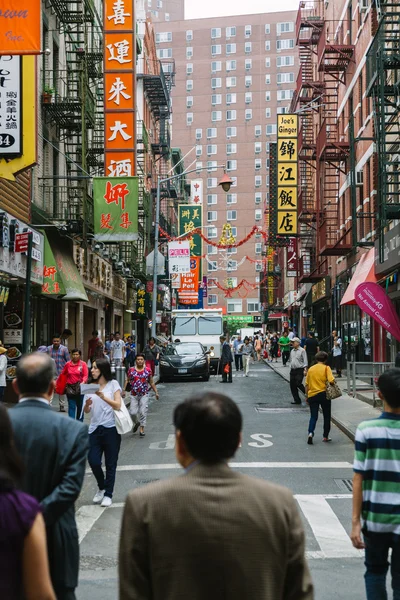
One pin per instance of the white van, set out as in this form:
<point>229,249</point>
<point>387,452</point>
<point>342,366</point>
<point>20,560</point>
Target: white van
<point>200,325</point>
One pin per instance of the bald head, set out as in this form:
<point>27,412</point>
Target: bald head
<point>35,376</point>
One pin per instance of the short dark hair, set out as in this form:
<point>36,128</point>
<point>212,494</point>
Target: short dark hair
<point>218,416</point>
<point>311,333</point>
<point>94,332</point>
<point>74,350</point>
<point>321,356</point>
<point>56,335</point>
<point>67,332</point>
<point>389,386</point>
<point>11,465</point>
<point>35,372</point>
<point>140,355</point>
<point>116,333</point>
<point>103,365</point>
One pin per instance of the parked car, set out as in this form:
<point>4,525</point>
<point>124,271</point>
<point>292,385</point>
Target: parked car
<point>186,359</point>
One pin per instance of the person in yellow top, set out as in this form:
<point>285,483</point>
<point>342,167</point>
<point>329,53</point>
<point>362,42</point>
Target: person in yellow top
<point>316,379</point>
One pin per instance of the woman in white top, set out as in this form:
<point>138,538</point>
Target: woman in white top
<point>3,369</point>
<point>103,435</point>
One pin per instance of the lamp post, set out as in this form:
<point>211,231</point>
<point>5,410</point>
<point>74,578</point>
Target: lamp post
<point>225,183</point>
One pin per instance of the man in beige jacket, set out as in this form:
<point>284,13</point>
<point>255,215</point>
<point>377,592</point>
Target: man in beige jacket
<point>212,532</point>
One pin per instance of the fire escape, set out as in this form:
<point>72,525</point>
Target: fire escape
<point>383,85</point>
<point>72,101</point>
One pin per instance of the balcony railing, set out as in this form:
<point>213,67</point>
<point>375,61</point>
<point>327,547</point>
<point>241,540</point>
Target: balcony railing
<point>309,22</point>
<point>332,57</point>
<point>62,99</point>
<point>333,242</point>
<point>62,203</point>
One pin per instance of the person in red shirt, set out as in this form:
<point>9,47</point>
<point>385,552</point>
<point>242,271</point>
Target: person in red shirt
<point>76,371</point>
<point>92,344</point>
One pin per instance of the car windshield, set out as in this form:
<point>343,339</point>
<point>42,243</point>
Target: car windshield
<point>184,326</point>
<point>210,325</point>
<point>184,350</point>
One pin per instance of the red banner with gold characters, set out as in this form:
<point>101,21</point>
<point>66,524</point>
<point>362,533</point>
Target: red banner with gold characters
<point>119,88</point>
<point>20,22</point>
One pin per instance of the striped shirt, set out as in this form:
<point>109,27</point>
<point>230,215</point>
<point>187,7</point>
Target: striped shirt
<point>60,357</point>
<point>377,459</point>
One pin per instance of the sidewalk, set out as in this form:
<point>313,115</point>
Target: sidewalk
<point>347,412</point>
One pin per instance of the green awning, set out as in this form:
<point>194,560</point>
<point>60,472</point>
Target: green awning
<point>60,274</point>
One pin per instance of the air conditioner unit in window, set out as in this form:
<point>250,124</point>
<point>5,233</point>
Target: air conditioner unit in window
<point>363,5</point>
<point>359,178</point>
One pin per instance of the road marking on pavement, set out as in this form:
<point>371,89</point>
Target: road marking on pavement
<point>86,516</point>
<point>330,534</point>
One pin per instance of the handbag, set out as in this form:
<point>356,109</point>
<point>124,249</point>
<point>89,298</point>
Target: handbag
<point>332,389</point>
<point>74,389</point>
<point>61,384</point>
<point>227,368</point>
<point>123,421</point>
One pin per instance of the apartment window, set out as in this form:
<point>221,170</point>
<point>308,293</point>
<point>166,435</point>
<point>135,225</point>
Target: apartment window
<point>212,282</point>
<point>270,129</point>
<point>212,182</point>
<point>267,78</point>
<point>285,78</point>
<point>164,36</point>
<point>257,164</point>
<point>234,231</point>
<point>164,53</point>
<point>216,99</point>
<point>211,132</point>
<point>231,48</point>
<point>231,98</point>
<point>257,130</point>
<point>216,82</point>
<point>199,150</point>
<point>212,265</point>
<point>284,44</point>
<point>211,249</point>
<point>189,35</point>
<point>231,132</point>
<point>267,63</point>
<point>258,247</point>
<point>189,85</point>
<point>211,165</point>
<point>231,215</point>
<point>284,94</point>
<point>216,49</point>
<point>189,68</point>
<point>257,181</point>
<point>247,47</point>
<point>211,149</point>
<point>211,199</point>
<point>231,198</point>
<point>248,114</point>
<point>215,33</point>
<point>231,65</point>
<point>199,134</point>
<point>216,115</point>
<point>267,46</point>
<point>281,110</point>
<point>253,305</point>
<point>231,115</point>
<point>167,16</point>
<point>232,265</point>
<point>234,184</point>
<point>159,3</point>
<point>230,82</point>
<point>212,215</point>
<point>258,214</point>
<point>212,299</point>
<point>230,32</point>
<point>189,52</point>
<point>248,80</point>
<point>285,61</point>
<point>257,147</point>
<point>189,118</point>
<point>216,66</point>
<point>248,97</point>
<point>267,163</point>
<point>258,197</point>
<point>287,27</point>
<point>231,148</point>
<point>212,232</point>
<point>267,147</point>
<point>247,30</point>
<point>268,96</point>
<point>199,166</point>
<point>189,101</point>
<point>267,113</point>
<point>231,165</point>
<point>234,306</point>
<point>267,29</point>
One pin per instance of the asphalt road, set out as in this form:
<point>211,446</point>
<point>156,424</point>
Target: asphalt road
<point>274,447</point>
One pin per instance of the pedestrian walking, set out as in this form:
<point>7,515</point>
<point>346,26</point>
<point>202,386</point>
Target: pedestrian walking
<point>107,344</point>
<point>99,351</point>
<point>60,355</point>
<point>117,350</point>
<point>337,355</point>
<point>53,450</point>
<point>130,351</point>
<point>92,345</point>
<point>274,348</point>
<point>298,369</point>
<point>24,566</point>
<point>291,334</point>
<point>376,490</point>
<point>311,346</point>
<point>284,345</point>
<point>66,334</point>
<point>258,347</point>
<point>3,369</point>
<point>247,353</point>
<point>76,372</point>
<point>141,380</point>
<point>103,435</point>
<point>226,360</point>
<point>151,354</point>
<point>237,353</point>
<point>212,532</point>
<point>317,377</point>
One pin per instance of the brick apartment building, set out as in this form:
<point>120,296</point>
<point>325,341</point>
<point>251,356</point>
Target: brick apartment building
<point>233,75</point>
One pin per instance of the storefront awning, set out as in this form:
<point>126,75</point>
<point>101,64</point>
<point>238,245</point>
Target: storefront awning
<point>365,271</point>
<point>60,275</point>
<point>274,316</point>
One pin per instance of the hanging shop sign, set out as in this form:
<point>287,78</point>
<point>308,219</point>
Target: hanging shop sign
<point>179,257</point>
<point>10,106</point>
<point>190,217</point>
<point>175,281</point>
<point>374,301</point>
<point>115,209</point>
<point>292,258</point>
<point>287,175</point>
<point>189,291</point>
<point>321,290</point>
<point>196,191</point>
<point>143,303</point>
<point>14,263</point>
<point>20,27</point>
<point>119,87</point>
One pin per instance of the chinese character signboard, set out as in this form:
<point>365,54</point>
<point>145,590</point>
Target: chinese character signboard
<point>10,106</point>
<point>143,301</point>
<point>179,257</point>
<point>287,178</point>
<point>189,291</point>
<point>190,217</point>
<point>119,87</point>
<point>196,191</point>
<point>52,281</point>
<point>292,258</point>
<point>115,209</point>
<point>20,22</point>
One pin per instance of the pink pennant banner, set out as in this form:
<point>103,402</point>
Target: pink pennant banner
<point>374,301</point>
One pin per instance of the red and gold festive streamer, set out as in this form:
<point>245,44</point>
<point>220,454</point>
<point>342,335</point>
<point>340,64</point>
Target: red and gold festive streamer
<point>243,283</point>
<point>197,231</point>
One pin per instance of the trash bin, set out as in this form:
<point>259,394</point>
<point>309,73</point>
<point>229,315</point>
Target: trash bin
<point>120,374</point>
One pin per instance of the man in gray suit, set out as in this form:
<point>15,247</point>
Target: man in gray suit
<point>212,532</point>
<point>54,449</point>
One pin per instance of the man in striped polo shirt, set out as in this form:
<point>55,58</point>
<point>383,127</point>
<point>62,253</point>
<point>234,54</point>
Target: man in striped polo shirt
<point>376,490</point>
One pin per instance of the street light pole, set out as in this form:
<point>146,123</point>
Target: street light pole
<point>225,182</point>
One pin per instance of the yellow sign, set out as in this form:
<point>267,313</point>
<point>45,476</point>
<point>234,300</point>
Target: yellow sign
<point>287,126</point>
<point>10,168</point>
<point>287,173</point>
<point>287,198</point>
<point>287,150</point>
<point>287,222</point>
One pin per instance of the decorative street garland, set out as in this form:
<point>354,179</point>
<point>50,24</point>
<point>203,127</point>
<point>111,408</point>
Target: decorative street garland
<point>198,231</point>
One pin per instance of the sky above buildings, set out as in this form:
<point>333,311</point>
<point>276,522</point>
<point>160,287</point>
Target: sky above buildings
<point>199,9</point>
